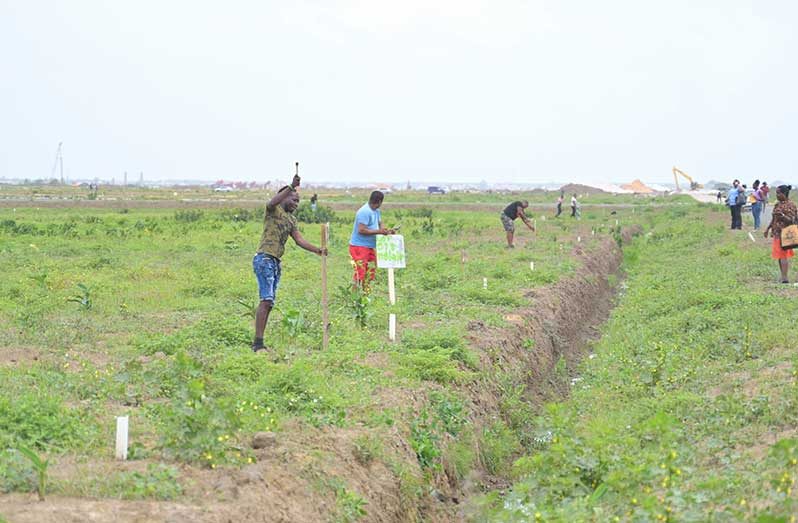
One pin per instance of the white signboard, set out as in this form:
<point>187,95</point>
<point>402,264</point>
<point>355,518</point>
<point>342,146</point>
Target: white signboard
<point>391,251</point>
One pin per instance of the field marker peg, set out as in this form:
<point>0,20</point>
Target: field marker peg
<point>392,327</point>
<point>121,438</point>
<point>543,217</point>
<point>592,232</point>
<point>578,239</point>
<point>484,283</point>
<point>751,236</point>
<point>616,222</point>
<point>531,266</point>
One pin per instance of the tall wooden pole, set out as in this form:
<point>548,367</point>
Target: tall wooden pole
<point>325,340</point>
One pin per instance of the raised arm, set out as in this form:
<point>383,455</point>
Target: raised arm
<point>283,193</point>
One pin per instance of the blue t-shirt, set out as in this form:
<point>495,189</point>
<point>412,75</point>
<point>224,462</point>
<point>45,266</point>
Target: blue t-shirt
<point>371,219</point>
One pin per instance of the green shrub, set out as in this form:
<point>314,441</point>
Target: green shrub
<point>38,421</point>
<point>498,445</point>
<point>16,472</point>
<point>305,214</point>
<point>197,428</point>
<point>158,482</point>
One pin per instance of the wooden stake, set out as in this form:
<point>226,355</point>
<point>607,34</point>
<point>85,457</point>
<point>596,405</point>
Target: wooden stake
<point>121,438</point>
<point>325,323</point>
<point>391,286</point>
<point>392,327</point>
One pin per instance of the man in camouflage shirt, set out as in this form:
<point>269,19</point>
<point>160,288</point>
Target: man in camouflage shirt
<point>279,222</point>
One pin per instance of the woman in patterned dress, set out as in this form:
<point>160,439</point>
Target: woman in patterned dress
<point>784,213</point>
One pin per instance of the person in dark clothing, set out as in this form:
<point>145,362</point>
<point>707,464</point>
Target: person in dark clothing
<point>735,200</point>
<point>509,214</point>
<point>559,205</point>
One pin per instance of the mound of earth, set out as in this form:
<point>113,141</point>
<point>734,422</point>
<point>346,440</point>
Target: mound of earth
<point>578,188</point>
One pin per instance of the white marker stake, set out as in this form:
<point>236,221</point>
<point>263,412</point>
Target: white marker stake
<point>578,239</point>
<point>592,232</point>
<point>752,237</point>
<point>391,287</point>
<point>531,266</point>
<point>484,283</point>
<point>616,223</point>
<point>121,438</point>
<point>392,327</point>
<point>543,217</point>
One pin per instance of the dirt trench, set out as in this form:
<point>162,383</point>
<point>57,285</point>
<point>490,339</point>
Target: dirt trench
<point>295,479</point>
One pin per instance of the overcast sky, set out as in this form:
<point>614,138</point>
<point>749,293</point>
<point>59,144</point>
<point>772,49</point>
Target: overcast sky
<point>423,90</point>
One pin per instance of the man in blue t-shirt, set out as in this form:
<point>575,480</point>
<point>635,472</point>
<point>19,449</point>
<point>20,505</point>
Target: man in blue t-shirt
<point>363,243</point>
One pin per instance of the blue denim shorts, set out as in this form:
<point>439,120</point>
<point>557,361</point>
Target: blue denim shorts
<point>267,270</point>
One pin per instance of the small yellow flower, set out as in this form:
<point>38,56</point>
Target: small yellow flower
<point>742,503</point>
<point>249,460</point>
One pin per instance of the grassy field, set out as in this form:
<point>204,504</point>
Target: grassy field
<point>686,412</point>
<point>689,410</point>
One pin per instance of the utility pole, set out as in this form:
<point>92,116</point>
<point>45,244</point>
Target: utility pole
<point>125,180</point>
<point>59,162</point>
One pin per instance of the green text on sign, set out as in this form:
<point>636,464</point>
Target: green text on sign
<point>391,252</point>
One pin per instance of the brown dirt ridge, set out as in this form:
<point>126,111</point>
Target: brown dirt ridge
<point>293,478</point>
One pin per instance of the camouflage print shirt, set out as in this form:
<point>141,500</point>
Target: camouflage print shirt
<point>277,226</point>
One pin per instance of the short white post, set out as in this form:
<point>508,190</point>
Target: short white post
<point>752,237</point>
<point>391,287</point>
<point>392,327</point>
<point>531,266</point>
<point>543,217</point>
<point>616,222</point>
<point>592,232</point>
<point>484,283</point>
<point>121,437</point>
<point>578,239</point>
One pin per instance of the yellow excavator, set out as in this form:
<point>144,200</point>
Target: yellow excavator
<point>693,185</point>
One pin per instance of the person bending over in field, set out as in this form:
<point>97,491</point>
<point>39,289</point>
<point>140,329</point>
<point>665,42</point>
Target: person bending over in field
<point>784,213</point>
<point>363,242</point>
<point>508,216</point>
<point>278,223</point>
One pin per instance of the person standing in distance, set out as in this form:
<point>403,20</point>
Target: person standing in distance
<point>279,223</point>
<point>559,205</point>
<point>785,213</point>
<point>508,216</point>
<point>363,242</point>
